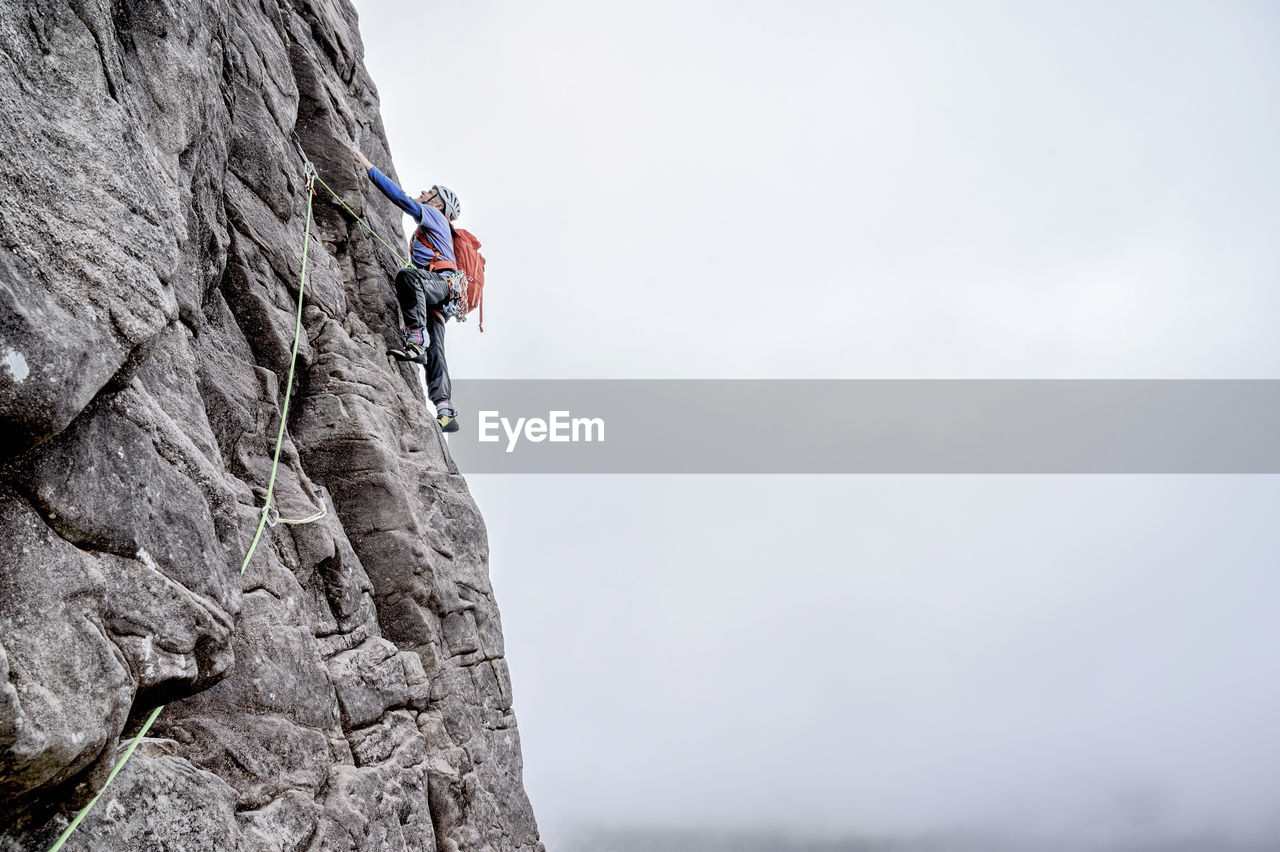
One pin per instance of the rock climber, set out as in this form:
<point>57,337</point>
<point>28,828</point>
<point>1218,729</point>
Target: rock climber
<point>426,289</point>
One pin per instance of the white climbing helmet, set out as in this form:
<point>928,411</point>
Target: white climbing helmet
<point>452,206</point>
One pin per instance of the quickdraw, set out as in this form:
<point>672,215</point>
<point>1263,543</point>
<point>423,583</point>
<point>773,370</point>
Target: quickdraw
<point>456,306</point>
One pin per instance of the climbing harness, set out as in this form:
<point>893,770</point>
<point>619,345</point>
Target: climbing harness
<point>457,281</point>
<point>270,514</point>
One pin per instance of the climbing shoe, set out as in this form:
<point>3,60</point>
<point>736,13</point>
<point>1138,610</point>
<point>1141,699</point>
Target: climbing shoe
<point>412,350</point>
<point>448,420</point>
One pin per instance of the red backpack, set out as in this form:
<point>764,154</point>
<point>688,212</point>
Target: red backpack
<point>466,249</point>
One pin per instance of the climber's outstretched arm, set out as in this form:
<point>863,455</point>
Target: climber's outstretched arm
<point>389,187</point>
<point>364,161</point>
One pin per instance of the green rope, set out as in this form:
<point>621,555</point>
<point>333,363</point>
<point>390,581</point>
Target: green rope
<point>288,388</point>
<point>362,222</point>
<point>266,510</point>
<point>62,838</point>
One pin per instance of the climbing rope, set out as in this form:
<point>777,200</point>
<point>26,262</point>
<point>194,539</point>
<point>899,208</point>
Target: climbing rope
<point>288,388</point>
<point>363,223</point>
<point>270,515</point>
<point>62,838</point>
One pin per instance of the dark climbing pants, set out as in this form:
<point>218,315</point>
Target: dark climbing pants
<point>422,297</point>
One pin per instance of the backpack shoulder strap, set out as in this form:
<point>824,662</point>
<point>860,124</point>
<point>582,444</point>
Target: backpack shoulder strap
<point>438,261</point>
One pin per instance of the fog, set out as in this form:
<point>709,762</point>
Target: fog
<point>1071,658</point>
<point>870,190</point>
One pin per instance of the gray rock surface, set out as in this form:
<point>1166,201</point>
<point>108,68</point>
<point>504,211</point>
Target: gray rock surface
<point>349,691</point>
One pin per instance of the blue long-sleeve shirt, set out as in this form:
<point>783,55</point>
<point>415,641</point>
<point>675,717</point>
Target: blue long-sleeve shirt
<point>430,220</point>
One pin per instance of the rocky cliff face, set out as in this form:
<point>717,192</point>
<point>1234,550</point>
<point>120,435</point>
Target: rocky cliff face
<point>349,691</point>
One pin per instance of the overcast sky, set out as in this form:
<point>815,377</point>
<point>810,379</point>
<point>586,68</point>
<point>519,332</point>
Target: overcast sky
<point>870,190</point>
